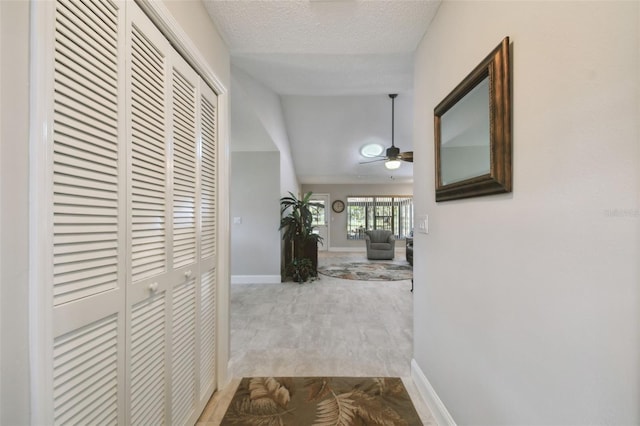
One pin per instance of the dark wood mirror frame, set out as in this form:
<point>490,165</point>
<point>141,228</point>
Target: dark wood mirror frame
<point>496,67</point>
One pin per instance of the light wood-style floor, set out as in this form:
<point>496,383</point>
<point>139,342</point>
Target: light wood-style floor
<point>329,327</point>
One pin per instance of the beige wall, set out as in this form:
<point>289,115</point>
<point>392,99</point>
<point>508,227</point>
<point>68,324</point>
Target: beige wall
<point>527,304</point>
<point>195,22</point>
<point>338,221</point>
<point>14,204</point>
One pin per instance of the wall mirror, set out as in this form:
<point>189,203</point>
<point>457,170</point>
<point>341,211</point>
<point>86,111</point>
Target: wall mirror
<point>473,132</point>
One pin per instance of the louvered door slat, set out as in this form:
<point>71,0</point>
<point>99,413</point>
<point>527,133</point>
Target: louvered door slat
<point>83,148</point>
<point>91,26</point>
<point>101,136</point>
<point>78,357</point>
<point>71,291</point>
<point>147,95</point>
<point>80,100</point>
<point>184,120</point>
<point>207,330</point>
<point>146,148</point>
<point>86,263</point>
<point>183,352</point>
<point>94,253</point>
<point>75,69</point>
<point>81,248</point>
<point>208,179</point>
<point>78,68</point>
<point>80,62</point>
<point>147,361</point>
<point>148,155</point>
<point>148,52</point>
<point>87,171</point>
<point>146,132</point>
<point>86,142</point>
<point>85,117</point>
<point>73,188</point>
<point>102,28</point>
<point>77,191</point>
<point>151,186</point>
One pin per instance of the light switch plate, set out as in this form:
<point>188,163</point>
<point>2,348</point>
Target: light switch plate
<point>237,220</point>
<point>422,224</point>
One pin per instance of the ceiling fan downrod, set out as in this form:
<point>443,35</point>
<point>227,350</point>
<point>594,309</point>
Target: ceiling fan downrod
<point>393,102</point>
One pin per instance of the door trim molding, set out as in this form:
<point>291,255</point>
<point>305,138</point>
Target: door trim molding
<point>40,222</point>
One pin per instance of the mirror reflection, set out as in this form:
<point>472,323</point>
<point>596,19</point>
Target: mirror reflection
<point>465,140</point>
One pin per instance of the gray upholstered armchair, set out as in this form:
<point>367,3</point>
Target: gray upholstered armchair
<point>380,244</point>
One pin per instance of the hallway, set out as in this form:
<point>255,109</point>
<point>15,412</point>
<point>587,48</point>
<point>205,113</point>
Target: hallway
<point>330,327</point>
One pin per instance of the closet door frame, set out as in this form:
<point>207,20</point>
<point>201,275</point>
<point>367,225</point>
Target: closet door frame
<point>40,197</point>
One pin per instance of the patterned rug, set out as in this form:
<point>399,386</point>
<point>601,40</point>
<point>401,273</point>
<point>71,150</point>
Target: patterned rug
<point>300,401</point>
<point>368,271</point>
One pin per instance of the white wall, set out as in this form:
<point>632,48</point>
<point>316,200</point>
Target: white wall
<point>194,20</point>
<point>526,305</point>
<point>338,221</point>
<point>350,122</point>
<point>266,105</point>
<point>14,204</point>
<point>255,193</point>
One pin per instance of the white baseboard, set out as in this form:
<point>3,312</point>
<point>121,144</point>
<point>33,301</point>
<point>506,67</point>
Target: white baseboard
<point>256,279</point>
<point>430,397</point>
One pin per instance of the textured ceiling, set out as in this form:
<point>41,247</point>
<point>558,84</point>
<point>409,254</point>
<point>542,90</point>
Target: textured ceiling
<point>348,50</point>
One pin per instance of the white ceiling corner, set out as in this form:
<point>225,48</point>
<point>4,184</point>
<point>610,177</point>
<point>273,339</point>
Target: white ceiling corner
<point>352,51</point>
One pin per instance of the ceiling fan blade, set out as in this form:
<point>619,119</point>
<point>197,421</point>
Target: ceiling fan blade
<point>406,156</point>
<point>374,161</point>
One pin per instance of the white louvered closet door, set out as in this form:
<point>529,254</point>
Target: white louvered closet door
<point>149,230</point>
<point>207,252</point>
<point>184,291</point>
<point>88,209</point>
<point>133,222</point>
<point>164,298</point>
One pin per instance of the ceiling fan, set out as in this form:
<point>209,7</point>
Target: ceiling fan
<point>393,155</point>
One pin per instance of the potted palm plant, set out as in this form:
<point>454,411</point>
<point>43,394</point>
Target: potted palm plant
<point>300,242</point>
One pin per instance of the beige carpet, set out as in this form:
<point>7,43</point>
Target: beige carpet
<point>300,401</point>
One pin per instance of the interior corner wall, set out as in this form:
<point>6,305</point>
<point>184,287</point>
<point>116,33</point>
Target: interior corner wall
<point>255,194</point>
<point>338,221</point>
<point>526,305</point>
<point>194,20</point>
<point>14,203</point>
<point>267,106</point>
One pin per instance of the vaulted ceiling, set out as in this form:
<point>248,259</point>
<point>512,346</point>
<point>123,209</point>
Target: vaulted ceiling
<point>333,64</point>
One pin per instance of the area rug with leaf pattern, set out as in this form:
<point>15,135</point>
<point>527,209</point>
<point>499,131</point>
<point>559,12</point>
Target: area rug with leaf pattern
<point>319,401</point>
<point>368,271</point>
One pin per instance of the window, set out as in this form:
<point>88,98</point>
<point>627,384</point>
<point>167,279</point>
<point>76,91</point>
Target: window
<point>379,212</point>
<point>318,213</point>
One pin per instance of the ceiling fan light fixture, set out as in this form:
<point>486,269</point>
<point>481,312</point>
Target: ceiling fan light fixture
<point>371,150</point>
<point>392,164</point>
